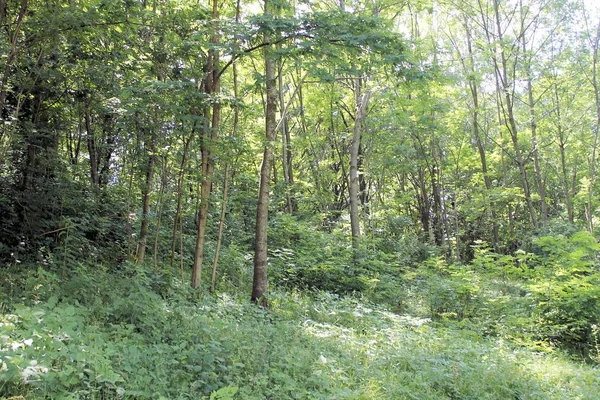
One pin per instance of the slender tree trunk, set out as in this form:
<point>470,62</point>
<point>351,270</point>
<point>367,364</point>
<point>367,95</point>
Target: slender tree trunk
<point>131,241</point>
<point>423,203</point>
<point>339,189</point>
<point>212,88</point>
<point>260,279</point>
<point>178,222</point>
<point>74,143</point>
<point>509,117</point>
<point>539,180</point>
<point>213,276</point>
<point>205,189</point>
<point>541,188</point>
<point>503,164</point>
<point>314,165</point>
<point>286,144</point>
<point>236,119</point>
<point>361,101</point>
<point>445,233</point>
<point>91,144</point>
<point>564,175</point>
<point>458,256</point>
<point>147,190</point>
<point>478,140</point>
<point>436,192</point>
<point>107,149</point>
<point>163,185</point>
<point>562,144</point>
<point>484,168</point>
<point>181,266</point>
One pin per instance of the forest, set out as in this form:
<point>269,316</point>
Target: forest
<point>306,199</point>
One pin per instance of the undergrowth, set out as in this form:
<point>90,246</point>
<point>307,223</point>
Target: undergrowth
<point>133,333</point>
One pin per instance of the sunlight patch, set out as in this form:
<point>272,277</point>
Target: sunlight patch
<point>322,330</point>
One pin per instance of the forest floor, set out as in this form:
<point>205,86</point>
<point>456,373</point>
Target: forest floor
<point>100,335</point>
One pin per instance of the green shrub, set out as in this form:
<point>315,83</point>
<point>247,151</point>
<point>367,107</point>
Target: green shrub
<point>450,291</point>
<point>567,290</point>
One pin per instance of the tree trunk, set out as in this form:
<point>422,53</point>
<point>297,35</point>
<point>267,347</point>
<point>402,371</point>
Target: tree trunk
<point>205,189</point>
<point>74,140</point>
<point>212,88</point>
<point>163,185</point>
<point>541,188</point>
<point>178,222</point>
<point>260,279</point>
<point>562,144</point>
<point>361,101</point>
<point>436,193</point>
<point>146,191</point>
<point>509,117</point>
<point>286,149</point>
<point>131,244</point>
<point>213,275</point>
<point>236,120</point>
<point>478,141</point>
<point>91,144</point>
<point>108,148</point>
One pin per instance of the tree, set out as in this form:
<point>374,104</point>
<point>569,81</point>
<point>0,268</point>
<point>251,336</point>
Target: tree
<point>361,102</point>
<point>260,280</point>
<point>210,133</point>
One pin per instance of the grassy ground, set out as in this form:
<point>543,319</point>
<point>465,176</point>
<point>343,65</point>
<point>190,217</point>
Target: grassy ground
<point>137,335</point>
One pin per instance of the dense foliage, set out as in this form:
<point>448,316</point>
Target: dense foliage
<point>133,335</point>
<point>408,189</point>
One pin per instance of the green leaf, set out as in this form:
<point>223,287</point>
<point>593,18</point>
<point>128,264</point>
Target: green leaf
<point>225,393</point>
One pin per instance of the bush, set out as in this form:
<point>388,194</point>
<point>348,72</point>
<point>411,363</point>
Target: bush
<point>310,259</point>
<point>450,291</point>
<point>567,290</point>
